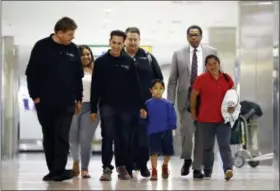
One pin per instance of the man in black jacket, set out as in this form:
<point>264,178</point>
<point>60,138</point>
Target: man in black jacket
<point>148,69</point>
<point>116,87</point>
<point>54,79</point>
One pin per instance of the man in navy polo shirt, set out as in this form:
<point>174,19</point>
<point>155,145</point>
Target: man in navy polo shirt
<point>207,95</point>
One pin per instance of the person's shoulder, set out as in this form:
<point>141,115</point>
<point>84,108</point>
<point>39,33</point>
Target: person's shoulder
<point>227,76</point>
<point>100,58</point>
<point>166,101</point>
<point>203,75</point>
<point>125,56</point>
<point>181,49</point>
<point>73,45</point>
<point>144,52</point>
<point>149,100</point>
<point>43,41</point>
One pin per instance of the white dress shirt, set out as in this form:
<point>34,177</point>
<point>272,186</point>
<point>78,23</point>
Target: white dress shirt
<point>200,64</point>
<point>86,86</point>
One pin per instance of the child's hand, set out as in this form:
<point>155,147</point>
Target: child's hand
<point>143,113</point>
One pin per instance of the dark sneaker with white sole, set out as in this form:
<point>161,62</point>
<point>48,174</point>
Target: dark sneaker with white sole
<point>106,176</point>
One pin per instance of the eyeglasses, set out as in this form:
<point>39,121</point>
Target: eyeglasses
<point>194,35</point>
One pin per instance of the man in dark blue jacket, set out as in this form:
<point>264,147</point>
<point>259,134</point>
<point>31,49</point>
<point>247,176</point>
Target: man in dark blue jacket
<point>148,69</point>
<point>115,85</point>
<point>54,80</point>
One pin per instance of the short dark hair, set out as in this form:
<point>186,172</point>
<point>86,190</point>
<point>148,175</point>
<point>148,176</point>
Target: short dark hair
<point>155,81</point>
<point>132,30</point>
<point>81,49</point>
<point>195,27</point>
<point>65,24</point>
<point>210,57</point>
<point>118,33</point>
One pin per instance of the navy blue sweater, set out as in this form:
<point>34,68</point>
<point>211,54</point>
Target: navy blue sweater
<point>115,82</point>
<point>54,73</point>
<point>161,115</point>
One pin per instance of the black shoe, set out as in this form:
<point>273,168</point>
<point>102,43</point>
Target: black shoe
<point>207,175</point>
<point>48,177</point>
<point>66,175</point>
<point>185,170</point>
<point>197,174</point>
<point>145,172</point>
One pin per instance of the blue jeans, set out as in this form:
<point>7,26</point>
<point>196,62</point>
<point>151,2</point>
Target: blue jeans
<point>81,135</point>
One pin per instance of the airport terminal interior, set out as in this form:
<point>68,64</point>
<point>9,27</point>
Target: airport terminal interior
<point>245,34</point>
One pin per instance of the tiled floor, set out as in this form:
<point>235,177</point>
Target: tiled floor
<point>26,173</point>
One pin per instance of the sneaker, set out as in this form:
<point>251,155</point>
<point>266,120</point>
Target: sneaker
<point>123,174</point>
<point>228,174</point>
<point>145,172</point>
<point>165,172</point>
<point>106,176</point>
<point>154,174</point>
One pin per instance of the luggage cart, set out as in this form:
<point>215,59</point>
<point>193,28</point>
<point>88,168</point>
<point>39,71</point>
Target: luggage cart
<point>248,150</point>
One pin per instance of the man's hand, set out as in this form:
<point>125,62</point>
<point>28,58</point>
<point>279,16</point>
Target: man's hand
<point>78,107</point>
<point>93,116</point>
<point>143,113</point>
<point>231,109</point>
<point>37,100</point>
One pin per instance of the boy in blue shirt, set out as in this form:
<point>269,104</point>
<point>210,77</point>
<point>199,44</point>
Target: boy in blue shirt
<point>161,121</point>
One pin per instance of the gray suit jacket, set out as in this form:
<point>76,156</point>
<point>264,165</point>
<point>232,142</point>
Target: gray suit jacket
<point>180,74</point>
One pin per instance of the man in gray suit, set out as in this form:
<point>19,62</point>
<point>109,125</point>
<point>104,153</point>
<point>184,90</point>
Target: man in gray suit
<point>187,64</point>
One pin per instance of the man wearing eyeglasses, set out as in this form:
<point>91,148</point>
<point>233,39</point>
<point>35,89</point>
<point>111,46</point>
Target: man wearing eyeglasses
<point>187,64</point>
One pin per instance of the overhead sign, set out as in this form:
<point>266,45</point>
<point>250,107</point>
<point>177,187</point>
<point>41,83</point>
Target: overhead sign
<point>147,48</point>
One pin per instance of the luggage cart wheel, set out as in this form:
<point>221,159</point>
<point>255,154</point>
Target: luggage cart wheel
<point>254,164</point>
<point>238,161</point>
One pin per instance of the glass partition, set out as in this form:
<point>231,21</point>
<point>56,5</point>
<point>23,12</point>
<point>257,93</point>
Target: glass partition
<point>9,94</point>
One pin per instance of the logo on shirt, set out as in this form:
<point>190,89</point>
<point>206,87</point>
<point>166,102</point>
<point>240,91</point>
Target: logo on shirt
<point>125,67</point>
<point>142,58</point>
<point>70,54</point>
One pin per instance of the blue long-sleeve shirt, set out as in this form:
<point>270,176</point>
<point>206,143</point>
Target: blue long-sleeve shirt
<point>161,115</point>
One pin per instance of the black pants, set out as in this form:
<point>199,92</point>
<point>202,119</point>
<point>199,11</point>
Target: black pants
<point>55,124</point>
<point>116,128</point>
<point>140,143</point>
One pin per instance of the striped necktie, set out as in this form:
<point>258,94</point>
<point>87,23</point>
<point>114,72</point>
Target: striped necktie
<point>194,66</point>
